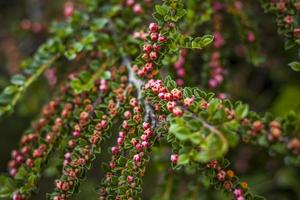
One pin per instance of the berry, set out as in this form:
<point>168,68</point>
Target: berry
<point>177,111</point>
<point>171,105</point>
<point>114,150</point>
<point>153,27</point>
<point>137,158</point>
<point>147,48</point>
<point>153,55</point>
<point>174,158</point>
<point>76,134</point>
<point>129,179</point>
<point>146,125</point>
<point>162,39</point>
<point>17,196</point>
<point>154,37</point>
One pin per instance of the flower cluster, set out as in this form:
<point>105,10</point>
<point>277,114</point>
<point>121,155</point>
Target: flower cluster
<point>228,180</point>
<point>151,51</point>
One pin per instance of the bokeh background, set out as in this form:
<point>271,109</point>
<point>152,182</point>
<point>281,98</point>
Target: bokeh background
<point>272,86</point>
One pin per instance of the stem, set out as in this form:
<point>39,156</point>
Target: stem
<point>138,83</point>
<point>29,81</point>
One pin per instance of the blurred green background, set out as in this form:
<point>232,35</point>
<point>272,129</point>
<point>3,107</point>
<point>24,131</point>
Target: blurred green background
<point>272,86</point>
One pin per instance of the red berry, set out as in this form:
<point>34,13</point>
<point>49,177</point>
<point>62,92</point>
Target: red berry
<point>171,105</point>
<point>17,196</point>
<point>154,37</point>
<point>153,27</point>
<point>176,94</point>
<point>146,125</point>
<point>138,147</point>
<point>156,47</point>
<point>148,132</point>
<point>137,158</point>
<point>37,153</point>
<point>147,48</point>
<point>153,55</point>
<point>149,66</point>
<point>115,150</point>
<point>144,137</point>
<point>177,111</point>
<point>133,102</point>
<point>162,38</point>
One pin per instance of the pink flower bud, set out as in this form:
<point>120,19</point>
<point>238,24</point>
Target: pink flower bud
<point>174,158</point>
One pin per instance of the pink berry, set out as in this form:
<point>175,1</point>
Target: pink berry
<point>138,147</point>
<point>112,164</point>
<point>122,134</point>
<point>146,125</point>
<point>174,158</point>
<point>120,141</point>
<point>147,48</point>
<point>127,114</point>
<point>76,134</point>
<point>137,158</point>
<point>153,55</point>
<point>171,105</point>
<point>177,111</point>
<point>13,172</point>
<point>17,196</point>
<point>137,9</point>
<point>115,150</point>
<point>162,38</point>
<point>153,27</point>
<point>68,9</point>
<point>154,37</point>
<point>103,124</point>
<point>156,47</point>
<point>144,137</point>
<point>145,144</point>
<point>129,179</point>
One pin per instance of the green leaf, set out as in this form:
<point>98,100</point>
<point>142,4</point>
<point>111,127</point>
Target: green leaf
<point>241,111</point>
<point>7,186</point>
<point>22,173</point>
<point>206,40</point>
<point>180,132</point>
<point>161,9</point>
<point>295,66</point>
<point>9,90</point>
<point>211,148</point>
<point>18,80</point>
<point>213,106</point>
<point>99,23</point>
<point>183,159</point>
<point>5,98</point>
<point>70,54</point>
<point>201,42</point>
<point>187,92</point>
